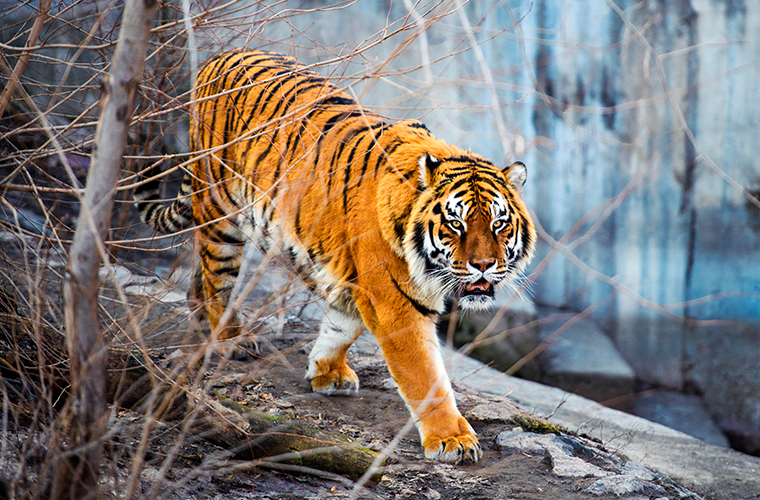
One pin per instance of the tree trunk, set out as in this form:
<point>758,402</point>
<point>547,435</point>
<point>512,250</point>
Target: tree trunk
<point>76,472</point>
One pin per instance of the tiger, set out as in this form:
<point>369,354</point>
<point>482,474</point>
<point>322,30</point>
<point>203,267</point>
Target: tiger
<point>382,219</point>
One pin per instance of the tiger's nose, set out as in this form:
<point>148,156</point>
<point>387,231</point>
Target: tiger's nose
<point>483,265</point>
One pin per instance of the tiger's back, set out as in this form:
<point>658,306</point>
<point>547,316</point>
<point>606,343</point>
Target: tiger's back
<point>383,218</point>
<point>281,137</point>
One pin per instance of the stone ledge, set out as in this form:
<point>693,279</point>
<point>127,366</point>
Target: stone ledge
<point>712,471</point>
<point>582,359</point>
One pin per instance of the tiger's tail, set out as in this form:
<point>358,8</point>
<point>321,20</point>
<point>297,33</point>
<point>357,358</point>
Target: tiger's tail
<point>165,219</point>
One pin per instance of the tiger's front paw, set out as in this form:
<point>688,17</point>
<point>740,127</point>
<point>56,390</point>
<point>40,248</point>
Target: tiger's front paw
<point>327,380</point>
<point>450,439</point>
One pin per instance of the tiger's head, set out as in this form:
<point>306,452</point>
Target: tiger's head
<point>469,232</point>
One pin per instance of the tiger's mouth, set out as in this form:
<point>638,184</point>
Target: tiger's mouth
<point>480,287</point>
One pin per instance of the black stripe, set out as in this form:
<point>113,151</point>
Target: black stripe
<point>206,253</point>
<point>408,176</point>
<point>222,61</point>
<point>288,97</point>
<point>418,125</point>
<point>328,126</point>
<point>298,221</point>
<point>459,183</point>
<point>420,308</point>
<point>238,70</point>
<point>179,213</point>
<point>229,271</point>
<point>217,100</point>
<point>375,133</point>
<point>186,188</point>
<point>451,170</point>
<point>230,113</point>
<point>298,132</point>
<point>431,231</point>
<point>351,136</point>
<point>291,96</point>
<point>276,80</point>
<point>250,61</point>
<point>247,93</point>
<point>526,237</point>
<point>419,243</point>
<point>387,152</point>
<point>150,212</point>
<point>292,93</point>
<point>399,228</point>
<point>336,100</point>
<point>214,234</point>
<point>312,255</point>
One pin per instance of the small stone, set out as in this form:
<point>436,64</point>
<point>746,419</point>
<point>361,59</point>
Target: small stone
<point>308,346</point>
<point>432,494</point>
<point>564,465</point>
<point>376,445</point>
<point>404,493</point>
<point>511,442</point>
<point>177,353</point>
<point>120,273</point>
<point>293,320</point>
<point>389,384</point>
<point>622,485</point>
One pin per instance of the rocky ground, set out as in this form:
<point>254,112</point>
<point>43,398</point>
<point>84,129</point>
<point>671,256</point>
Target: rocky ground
<point>517,463</point>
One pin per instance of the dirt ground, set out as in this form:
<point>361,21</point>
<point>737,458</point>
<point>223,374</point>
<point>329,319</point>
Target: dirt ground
<point>271,380</point>
<point>273,383</point>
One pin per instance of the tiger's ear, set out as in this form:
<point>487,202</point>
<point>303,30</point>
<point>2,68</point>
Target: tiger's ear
<point>516,174</point>
<point>428,163</point>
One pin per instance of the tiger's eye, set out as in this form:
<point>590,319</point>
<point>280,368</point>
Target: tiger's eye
<point>498,224</point>
<point>456,225</point>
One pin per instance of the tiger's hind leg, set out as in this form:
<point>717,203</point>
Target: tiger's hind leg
<point>219,268</point>
<point>328,371</point>
<point>196,300</point>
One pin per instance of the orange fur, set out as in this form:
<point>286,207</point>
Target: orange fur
<point>385,221</point>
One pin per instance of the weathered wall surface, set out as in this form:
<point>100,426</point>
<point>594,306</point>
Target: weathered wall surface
<point>684,232</point>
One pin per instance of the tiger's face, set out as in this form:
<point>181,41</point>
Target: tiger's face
<point>470,233</point>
